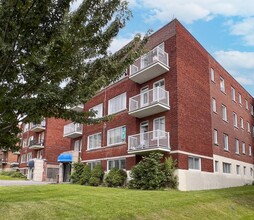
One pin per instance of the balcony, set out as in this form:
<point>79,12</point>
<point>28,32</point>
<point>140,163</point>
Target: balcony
<point>148,103</point>
<point>39,127</point>
<point>16,153</point>
<point>36,144</point>
<point>73,130</point>
<point>3,161</point>
<point>14,164</point>
<point>149,141</point>
<point>78,108</point>
<point>149,66</point>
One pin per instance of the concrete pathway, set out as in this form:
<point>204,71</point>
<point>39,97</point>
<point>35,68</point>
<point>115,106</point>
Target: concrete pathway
<point>21,183</point>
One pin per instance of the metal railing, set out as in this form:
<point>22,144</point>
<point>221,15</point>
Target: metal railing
<point>148,98</point>
<point>149,140</point>
<point>42,124</point>
<point>36,142</point>
<point>153,56</point>
<point>72,128</point>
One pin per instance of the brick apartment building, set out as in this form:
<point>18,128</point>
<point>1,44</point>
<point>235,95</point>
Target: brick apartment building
<point>8,160</point>
<point>176,99</point>
<point>41,145</point>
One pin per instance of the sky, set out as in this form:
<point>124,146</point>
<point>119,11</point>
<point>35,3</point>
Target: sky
<point>225,28</point>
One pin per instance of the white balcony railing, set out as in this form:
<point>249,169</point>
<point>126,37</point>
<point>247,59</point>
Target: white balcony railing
<point>153,56</point>
<point>148,103</point>
<point>73,130</point>
<point>38,127</point>
<point>148,141</point>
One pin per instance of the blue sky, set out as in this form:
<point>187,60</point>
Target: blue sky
<point>224,27</point>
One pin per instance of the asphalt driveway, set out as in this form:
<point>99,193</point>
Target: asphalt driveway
<point>21,183</point>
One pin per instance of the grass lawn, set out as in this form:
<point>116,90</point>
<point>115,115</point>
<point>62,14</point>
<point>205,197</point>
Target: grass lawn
<point>9,178</point>
<point>81,202</point>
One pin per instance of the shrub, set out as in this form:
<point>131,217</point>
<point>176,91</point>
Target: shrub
<point>18,175</point>
<point>116,177</point>
<point>96,176</point>
<point>169,167</point>
<point>7,173</point>
<point>86,175</point>
<point>147,174</point>
<point>94,181</point>
<point>78,169</point>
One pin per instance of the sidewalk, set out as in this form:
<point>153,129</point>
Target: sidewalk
<point>21,183</point>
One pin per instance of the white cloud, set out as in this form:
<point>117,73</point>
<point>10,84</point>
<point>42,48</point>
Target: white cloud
<point>75,4</point>
<point>119,42</point>
<point>239,64</point>
<point>190,11</point>
<point>245,29</point>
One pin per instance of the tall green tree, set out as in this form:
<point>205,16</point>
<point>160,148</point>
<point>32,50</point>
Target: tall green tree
<point>44,45</point>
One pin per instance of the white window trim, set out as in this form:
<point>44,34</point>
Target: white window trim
<point>118,159</point>
<point>123,142</point>
<point>97,106</point>
<point>199,161</point>
<point>98,147</point>
<point>119,110</point>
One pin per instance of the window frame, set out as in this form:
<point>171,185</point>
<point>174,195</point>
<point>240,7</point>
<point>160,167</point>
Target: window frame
<point>195,161</point>
<point>92,136</point>
<point>113,100</point>
<point>123,127</point>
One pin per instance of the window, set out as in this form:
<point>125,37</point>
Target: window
<point>116,135</point>
<point>29,140</point>
<point>92,164</point>
<point>119,164</point>
<point>26,127</point>
<point>215,137</point>
<point>29,156</point>
<point>117,104</point>
<point>243,148</point>
<point>98,110</point>
<point>222,84</point>
<point>237,146</point>
<point>159,127</point>
<point>235,119</point>
<point>240,98</point>
<point>238,169</point>
<point>214,105</point>
<point>212,74</point>
<point>251,171</point>
<point>246,104</point>
<point>194,163</point>
<point>244,170</point>
<point>224,113</point>
<point>251,110</point>
<point>94,141</point>
<point>78,145</point>
<point>216,166</point>
<point>23,158</point>
<point>248,127</point>
<point>24,143</point>
<point>225,138</point>
<point>226,167</point>
<point>241,123</point>
<point>233,93</point>
<point>158,94</point>
<point>250,153</point>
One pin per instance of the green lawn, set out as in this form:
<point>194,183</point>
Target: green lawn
<point>80,202</point>
<point>9,178</point>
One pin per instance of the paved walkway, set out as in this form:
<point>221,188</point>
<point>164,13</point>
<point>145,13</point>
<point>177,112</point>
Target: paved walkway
<point>21,183</point>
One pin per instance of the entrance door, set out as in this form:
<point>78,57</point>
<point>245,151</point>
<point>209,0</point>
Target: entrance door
<point>144,135</point>
<point>66,172</point>
<point>144,99</point>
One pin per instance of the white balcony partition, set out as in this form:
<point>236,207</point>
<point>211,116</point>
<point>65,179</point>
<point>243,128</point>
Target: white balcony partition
<point>148,103</point>
<point>149,141</point>
<point>73,130</point>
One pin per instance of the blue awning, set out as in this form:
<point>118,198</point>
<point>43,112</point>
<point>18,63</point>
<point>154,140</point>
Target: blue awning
<point>63,158</point>
<point>30,164</point>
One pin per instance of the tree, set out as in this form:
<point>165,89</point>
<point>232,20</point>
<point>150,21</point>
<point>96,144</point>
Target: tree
<point>44,45</point>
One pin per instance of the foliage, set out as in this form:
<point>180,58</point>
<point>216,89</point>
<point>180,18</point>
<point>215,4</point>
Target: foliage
<point>52,59</point>
<point>150,173</point>
<point>77,173</point>
<point>14,174</point>
<point>169,167</point>
<point>86,175</point>
<point>96,176</point>
<point>116,177</point>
